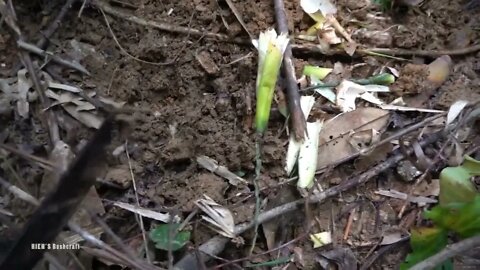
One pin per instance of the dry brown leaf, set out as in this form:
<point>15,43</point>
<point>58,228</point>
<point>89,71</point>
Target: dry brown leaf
<point>377,155</point>
<point>217,215</point>
<point>334,141</point>
<point>64,87</point>
<point>87,118</point>
<point>67,97</point>
<point>393,235</point>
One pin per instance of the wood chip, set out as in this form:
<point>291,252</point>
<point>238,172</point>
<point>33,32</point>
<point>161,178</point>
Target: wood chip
<point>207,62</point>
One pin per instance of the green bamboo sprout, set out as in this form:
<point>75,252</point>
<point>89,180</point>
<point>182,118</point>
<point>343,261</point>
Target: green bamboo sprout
<point>318,72</point>
<point>271,48</point>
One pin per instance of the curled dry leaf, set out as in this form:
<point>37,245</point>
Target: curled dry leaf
<point>336,133</point>
<point>77,108</point>
<point>89,119</point>
<point>454,111</point>
<point>218,216</point>
<point>348,92</point>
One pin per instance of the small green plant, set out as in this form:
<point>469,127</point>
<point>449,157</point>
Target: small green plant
<point>166,237</point>
<point>458,212</point>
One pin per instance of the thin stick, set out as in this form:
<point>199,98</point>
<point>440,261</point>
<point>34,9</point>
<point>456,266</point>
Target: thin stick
<point>90,238</point>
<point>447,253</point>
<point>239,17</point>
<point>22,195</point>
<point>38,51</point>
<point>258,169</point>
<point>139,218</point>
<point>313,48</point>
<point>348,227</point>
<point>50,118</point>
<point>403,52</point>
<point>44,163</point>
<point>126,249</point>
<point>52,28</point>
<point>293,96</point>
<point>165,26</point>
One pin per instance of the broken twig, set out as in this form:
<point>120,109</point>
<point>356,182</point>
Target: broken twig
<point>293,96</point>
<point>50,56</point>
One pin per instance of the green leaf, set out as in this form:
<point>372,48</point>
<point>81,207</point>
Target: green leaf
<point>162,233</point>
<point>380,79</point>
<point>315,71</point>
<point>463,219</point>
<point>455,183</point>
<point>425,242</point>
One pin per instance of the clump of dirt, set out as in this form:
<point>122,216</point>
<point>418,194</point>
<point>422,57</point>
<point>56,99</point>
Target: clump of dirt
<point>413,80</point>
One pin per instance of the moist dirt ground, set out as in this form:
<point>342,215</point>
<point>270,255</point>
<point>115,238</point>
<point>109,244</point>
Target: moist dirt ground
<point>199,99</point>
